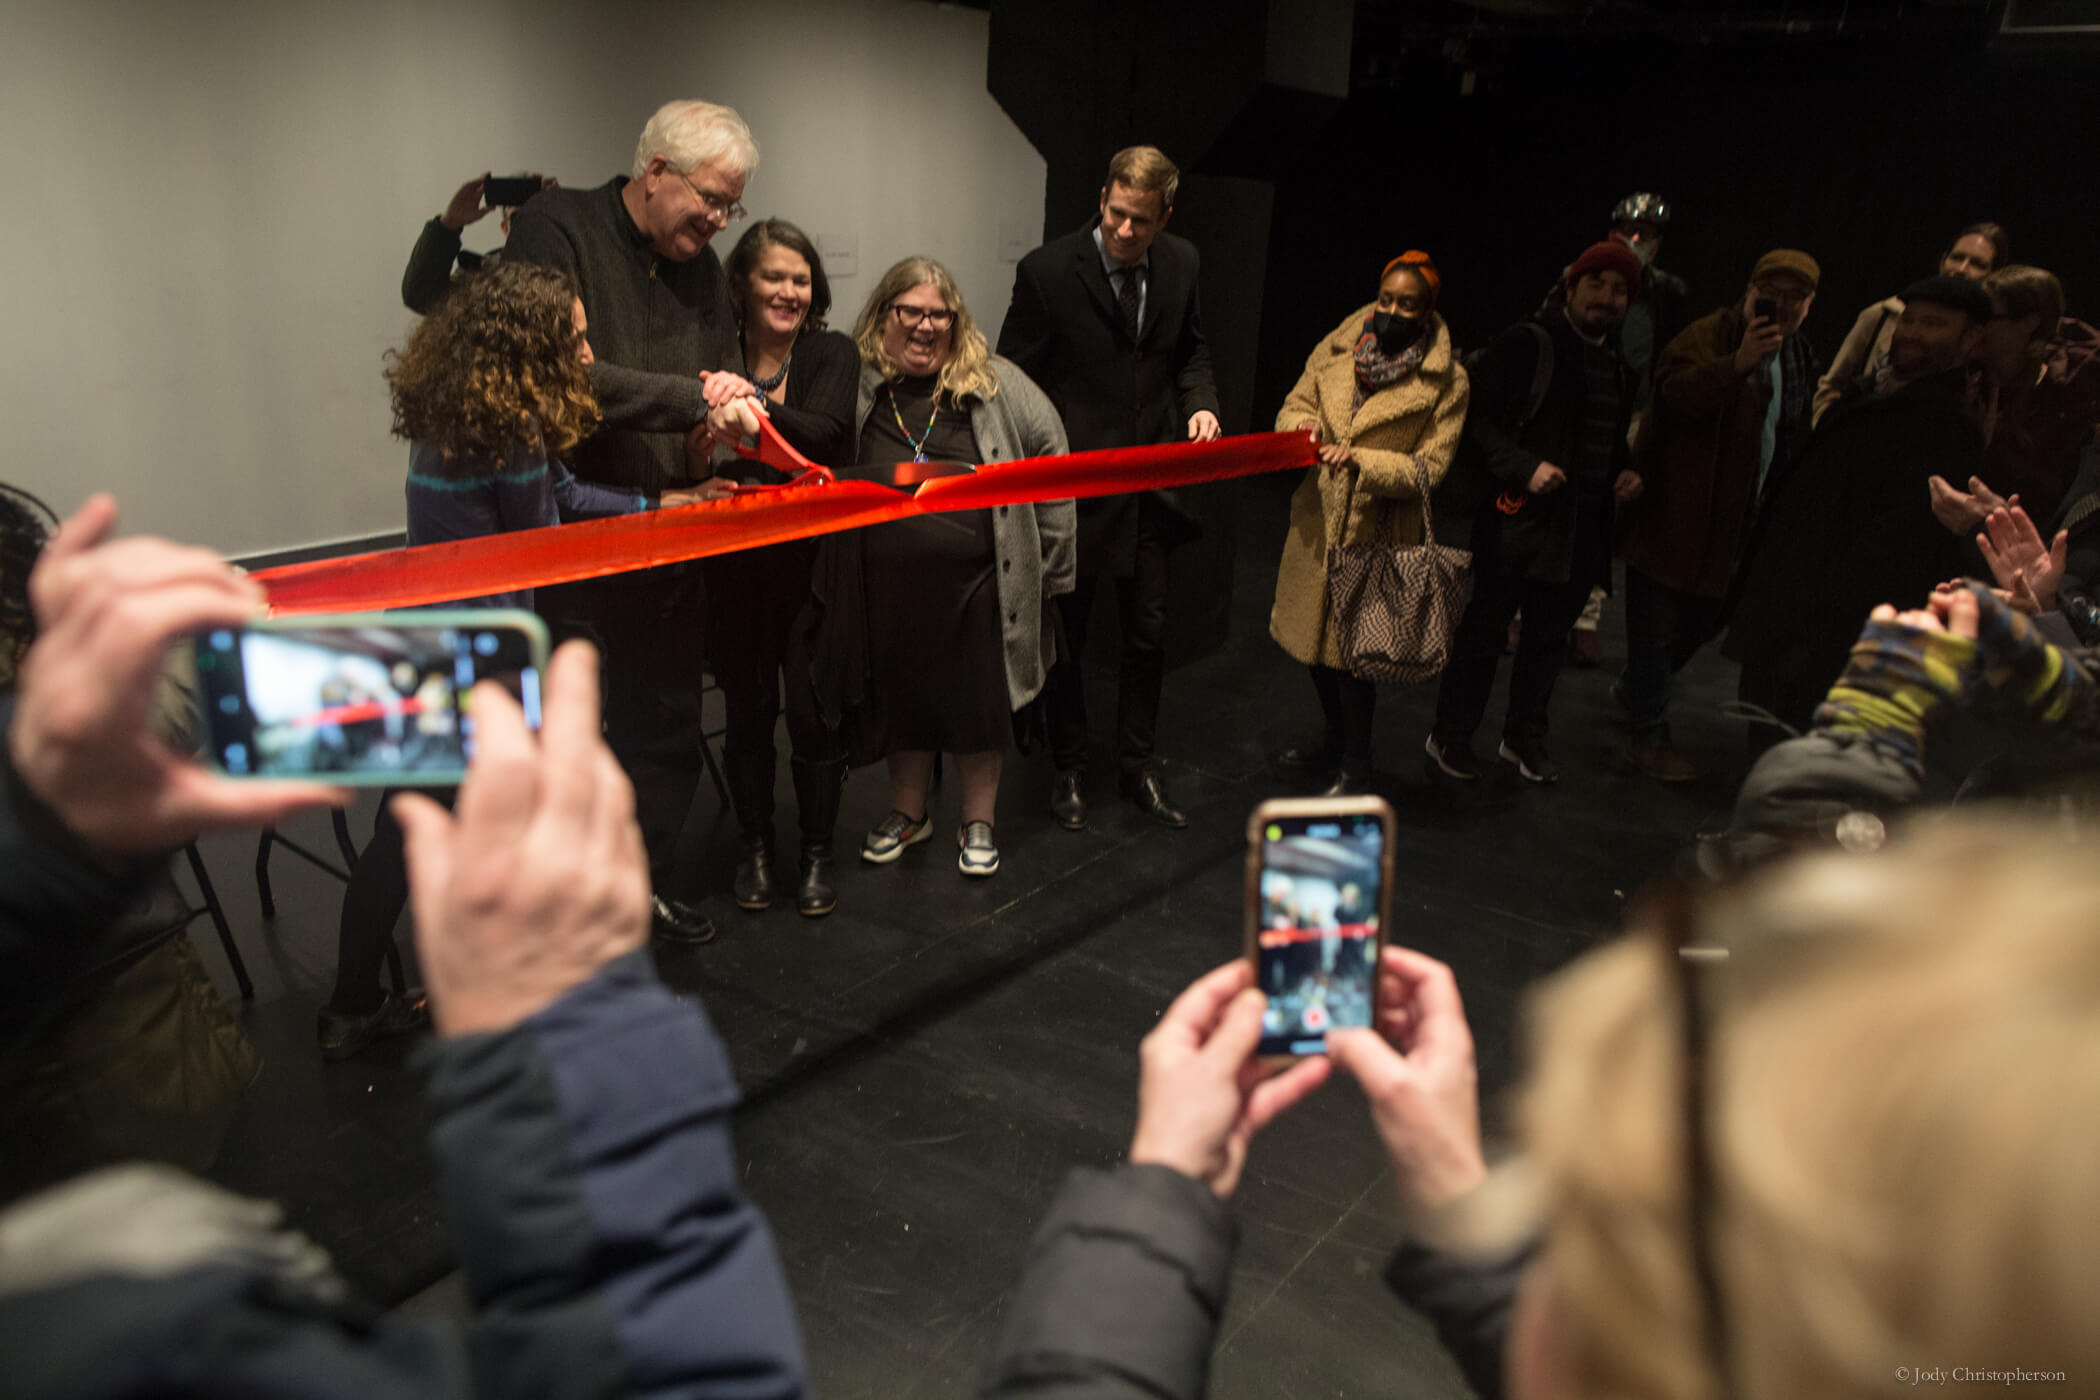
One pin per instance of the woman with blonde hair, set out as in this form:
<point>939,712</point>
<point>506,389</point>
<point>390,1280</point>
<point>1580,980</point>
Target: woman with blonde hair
<point>933,631</point>
<point>1387,398</point>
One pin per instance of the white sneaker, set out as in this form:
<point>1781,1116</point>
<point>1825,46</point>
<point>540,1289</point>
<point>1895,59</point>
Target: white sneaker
<point>980,854</point>
<point>892,834</point>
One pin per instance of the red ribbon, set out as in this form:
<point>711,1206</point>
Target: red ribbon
<point>811,504</point>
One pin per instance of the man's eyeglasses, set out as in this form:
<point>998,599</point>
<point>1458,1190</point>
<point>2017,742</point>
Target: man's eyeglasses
<point>727,211</point>
<point>940,318</point>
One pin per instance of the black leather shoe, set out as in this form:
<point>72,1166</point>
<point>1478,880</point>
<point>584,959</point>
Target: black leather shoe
<point>676,921</point>
<point>1149,791</point>
<point>754,886</point>
<point>815,895</point>
<point>1068,800</point>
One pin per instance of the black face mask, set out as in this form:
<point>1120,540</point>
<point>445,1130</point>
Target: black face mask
<point>1396,332</point>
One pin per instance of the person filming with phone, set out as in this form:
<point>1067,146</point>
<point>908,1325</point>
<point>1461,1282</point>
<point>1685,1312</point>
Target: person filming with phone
<point>606,1244</point>
<point>1728,419</point>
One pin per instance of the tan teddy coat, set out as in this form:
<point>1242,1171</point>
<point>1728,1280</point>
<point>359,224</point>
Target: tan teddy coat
<point>1403,440</point>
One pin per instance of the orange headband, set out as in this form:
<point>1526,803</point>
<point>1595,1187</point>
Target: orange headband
<point>1419,263</point>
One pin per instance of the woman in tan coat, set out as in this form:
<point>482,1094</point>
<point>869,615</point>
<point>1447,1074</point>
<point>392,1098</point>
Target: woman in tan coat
<point>1387,399</point>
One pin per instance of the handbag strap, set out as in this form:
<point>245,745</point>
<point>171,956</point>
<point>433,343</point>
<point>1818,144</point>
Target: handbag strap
<point>1428,524</point>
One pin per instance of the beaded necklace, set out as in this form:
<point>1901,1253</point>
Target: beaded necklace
<point>918,444</point>
<point>772,381</point>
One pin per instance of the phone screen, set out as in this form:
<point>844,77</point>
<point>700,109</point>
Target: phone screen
<point>368,702</point>
<point>1316,943</point>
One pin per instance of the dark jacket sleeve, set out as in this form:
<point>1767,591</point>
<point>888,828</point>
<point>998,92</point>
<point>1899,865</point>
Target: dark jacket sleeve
<point>1122,1291</point>
<point>818,418</point>
<point>1028,336</point>
<point>587,500</point>
<point>1500,381</point>
<point>429,274</point>
<point>644,401</point>
<point>60,899</point>
<point>592,1190</point>
<point>1468,1302</point>
<point>1192,377</point>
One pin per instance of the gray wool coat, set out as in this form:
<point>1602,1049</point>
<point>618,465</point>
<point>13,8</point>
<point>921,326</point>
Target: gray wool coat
<point>1037,545</point>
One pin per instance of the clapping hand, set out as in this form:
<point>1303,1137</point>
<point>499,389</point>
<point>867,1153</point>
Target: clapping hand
<point>2029,571</point>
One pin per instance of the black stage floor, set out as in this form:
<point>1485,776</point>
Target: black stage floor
<point>922,1067</point>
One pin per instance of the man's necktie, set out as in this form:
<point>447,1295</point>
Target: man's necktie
<point>1127,301</point>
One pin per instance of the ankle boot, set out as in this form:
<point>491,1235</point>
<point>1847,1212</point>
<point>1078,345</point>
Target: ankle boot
<point>755,883</point>
<point>750,776</point>
<point>1353,779</point>
<point>819,784</point>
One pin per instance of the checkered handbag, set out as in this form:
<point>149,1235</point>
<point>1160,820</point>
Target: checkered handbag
<point>1395,606</point>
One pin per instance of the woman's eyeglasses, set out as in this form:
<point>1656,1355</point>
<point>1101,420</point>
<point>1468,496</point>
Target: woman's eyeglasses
<point>940,318</point>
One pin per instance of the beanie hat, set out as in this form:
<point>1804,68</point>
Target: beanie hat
<point>1791,260</point>
<point>1419,263</point>
<point>1957,292</point>
<point>1608,256</point>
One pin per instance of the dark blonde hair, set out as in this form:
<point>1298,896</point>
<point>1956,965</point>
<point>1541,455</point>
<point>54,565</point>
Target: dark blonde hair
<point>968,368</point>
<point>2029,291</point>
<point>1145,169</point>
<point>495,368</point>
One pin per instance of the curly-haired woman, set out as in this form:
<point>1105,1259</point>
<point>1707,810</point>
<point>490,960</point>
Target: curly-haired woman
<point>491,391</point>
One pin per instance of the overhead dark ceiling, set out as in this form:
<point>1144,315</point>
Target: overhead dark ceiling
<point>1695,20</point>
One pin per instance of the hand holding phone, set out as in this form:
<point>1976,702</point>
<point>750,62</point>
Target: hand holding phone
<point>1417,1071</point>
<point>1203,1095</point>
<point>1319,896</point>
<point>81,740</point>
<point>509,191</point>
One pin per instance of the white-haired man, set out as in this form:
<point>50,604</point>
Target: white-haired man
<point>665,337</point>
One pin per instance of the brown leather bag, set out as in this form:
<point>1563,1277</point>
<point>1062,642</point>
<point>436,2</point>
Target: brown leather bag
<point>1395,606</point>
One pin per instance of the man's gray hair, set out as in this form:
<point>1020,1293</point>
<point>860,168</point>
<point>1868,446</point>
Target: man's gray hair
<point>690,134</point>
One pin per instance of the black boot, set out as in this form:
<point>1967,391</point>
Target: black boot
<point>755,883</point>
<point>1353,779</point>
<point>750,775</point>
<point>819,784</point>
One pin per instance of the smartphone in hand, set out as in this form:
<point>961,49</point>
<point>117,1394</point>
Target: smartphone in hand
<point>1319,902</point>
<point>1765,309</point>
<point>509,191</point>
<point>361,698</point>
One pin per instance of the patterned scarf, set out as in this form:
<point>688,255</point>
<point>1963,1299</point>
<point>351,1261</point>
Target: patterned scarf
<point>1377,370</point>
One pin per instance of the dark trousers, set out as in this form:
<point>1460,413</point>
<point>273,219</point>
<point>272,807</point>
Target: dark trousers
<point>1141,599</point>
<point>1346,706</point>
<point>1665,627</point>
<point>372,905</point>
<point>650,631</point>
<point>1550,610</point>
<point>754,600</point>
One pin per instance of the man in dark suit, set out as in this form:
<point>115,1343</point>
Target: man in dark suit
<point>1106,320</point>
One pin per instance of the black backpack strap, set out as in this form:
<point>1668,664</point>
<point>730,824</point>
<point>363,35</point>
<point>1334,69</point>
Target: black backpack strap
<point>1541,377</point>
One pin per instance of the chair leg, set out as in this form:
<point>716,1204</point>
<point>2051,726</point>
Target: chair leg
<point>393,968</point>
<point>218,921</point>
<point>262,872</point>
